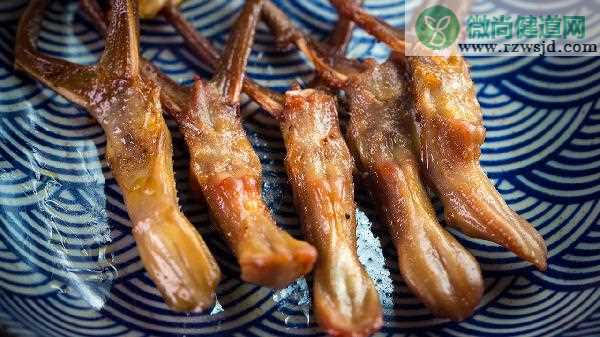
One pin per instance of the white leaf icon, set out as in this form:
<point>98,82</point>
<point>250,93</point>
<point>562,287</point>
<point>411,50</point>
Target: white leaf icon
<point>443,23</point>
<point>437,27</point>
<point>430,22</point>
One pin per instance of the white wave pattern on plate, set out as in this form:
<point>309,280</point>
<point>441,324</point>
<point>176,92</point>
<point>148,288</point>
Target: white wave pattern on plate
<point>68,266</point>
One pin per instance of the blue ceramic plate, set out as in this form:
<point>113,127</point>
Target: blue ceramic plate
<point>69,266</point>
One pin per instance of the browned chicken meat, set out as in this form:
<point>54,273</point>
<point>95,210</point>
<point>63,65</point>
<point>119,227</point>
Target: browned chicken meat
<point>444,275</point>
<point>320,166</point>
<point>448,131</point>
<point>223,163</point>
<point>449,134</point>
<point>320,169</point>
<point>138,150</point>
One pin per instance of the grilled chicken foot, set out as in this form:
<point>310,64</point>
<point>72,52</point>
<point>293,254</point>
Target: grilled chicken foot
<point>228,171</point>
<point>439,270</point>
<point>347,311</point>
<point>138,151</point>
<point>448,130</point>
<point>232,184</point>
<point>320,167</point>
<point>449,133</point>
<point>223,163</point>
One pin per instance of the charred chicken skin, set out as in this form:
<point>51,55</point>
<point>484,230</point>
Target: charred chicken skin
<point>443,274</point>
<point>138,150</point>
<point>223,163</point>
<point>447,128</point>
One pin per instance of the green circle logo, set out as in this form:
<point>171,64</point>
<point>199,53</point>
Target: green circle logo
<point>437,27</point>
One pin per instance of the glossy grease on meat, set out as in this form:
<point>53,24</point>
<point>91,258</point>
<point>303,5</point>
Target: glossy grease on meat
<point>320,167</point>
<point>442,273</point>
<point>229,174</point>
<point>449,132</point>
<point>138,151</point>
<point>227,170</point>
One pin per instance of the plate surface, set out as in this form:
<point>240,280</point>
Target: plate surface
<point>69,267</point>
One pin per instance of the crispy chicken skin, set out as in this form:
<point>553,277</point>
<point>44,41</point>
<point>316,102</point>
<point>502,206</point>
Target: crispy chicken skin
<point>320,167</point>
<point>449,132</point>
<point>441,272</point>
<point>138,151</point>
